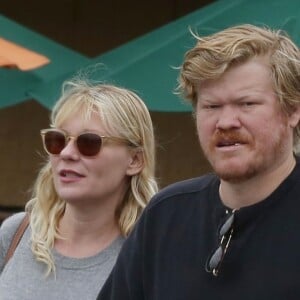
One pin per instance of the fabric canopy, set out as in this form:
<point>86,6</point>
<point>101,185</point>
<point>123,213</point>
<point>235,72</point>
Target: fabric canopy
<point>15,84</point>
<point>15,56</point>
<point>148,64</point>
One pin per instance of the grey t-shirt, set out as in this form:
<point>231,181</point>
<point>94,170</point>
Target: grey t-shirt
<point>24,278</point>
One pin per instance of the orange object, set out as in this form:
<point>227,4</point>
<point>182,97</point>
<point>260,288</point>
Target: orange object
<point>15,56</point>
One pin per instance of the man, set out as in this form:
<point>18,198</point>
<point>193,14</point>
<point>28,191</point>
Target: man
<point>234,234</point>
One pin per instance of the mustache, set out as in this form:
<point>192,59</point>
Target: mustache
<point>225,137</point>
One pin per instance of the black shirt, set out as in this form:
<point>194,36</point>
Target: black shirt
<point>165,256</point>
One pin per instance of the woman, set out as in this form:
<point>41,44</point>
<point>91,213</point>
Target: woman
<point>87,197</point>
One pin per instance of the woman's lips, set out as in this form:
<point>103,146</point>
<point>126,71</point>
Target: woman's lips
<point>70,174</point>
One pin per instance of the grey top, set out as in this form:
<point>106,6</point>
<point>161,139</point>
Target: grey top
<point>24,278</point>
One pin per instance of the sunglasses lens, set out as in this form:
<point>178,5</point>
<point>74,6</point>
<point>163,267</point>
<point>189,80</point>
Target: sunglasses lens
<point>215,259</point>
<point>227,225</point>
<point>54,141</point>
<point>89,144</point>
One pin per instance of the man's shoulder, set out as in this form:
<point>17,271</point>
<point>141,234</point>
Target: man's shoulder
<point>186,188</point>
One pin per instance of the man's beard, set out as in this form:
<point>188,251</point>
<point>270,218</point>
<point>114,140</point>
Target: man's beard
<point>255,163</point>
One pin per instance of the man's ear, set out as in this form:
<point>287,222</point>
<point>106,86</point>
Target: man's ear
<point>136,163</point>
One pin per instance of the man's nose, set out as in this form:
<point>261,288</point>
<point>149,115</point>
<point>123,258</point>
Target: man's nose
<point>228,118</point>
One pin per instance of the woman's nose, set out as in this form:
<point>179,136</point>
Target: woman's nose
<point>70,151</point>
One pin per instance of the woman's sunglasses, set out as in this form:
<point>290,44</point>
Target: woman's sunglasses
<point>88,143</point>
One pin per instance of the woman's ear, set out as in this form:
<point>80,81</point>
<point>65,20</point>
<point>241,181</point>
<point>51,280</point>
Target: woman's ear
<point>294,118</point>
<point>136,162</point>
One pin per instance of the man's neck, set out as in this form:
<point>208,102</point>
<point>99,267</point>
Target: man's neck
<point>248,192</point>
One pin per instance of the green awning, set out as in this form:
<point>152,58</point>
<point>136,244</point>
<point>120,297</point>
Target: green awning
<point>148,64</point>
<point>14,83</point>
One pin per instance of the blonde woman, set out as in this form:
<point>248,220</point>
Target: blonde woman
<point>98,177</point>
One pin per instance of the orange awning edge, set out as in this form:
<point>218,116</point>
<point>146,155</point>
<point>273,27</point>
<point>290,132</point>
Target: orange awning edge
<point>15,56</point>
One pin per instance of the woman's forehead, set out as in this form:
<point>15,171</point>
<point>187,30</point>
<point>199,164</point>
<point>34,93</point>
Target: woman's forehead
<point>75,108</point>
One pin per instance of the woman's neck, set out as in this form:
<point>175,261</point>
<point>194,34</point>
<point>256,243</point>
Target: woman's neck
<point>85,233</point>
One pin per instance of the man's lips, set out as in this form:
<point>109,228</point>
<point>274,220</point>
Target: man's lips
<point>227,139</point>
<point>223,143</point>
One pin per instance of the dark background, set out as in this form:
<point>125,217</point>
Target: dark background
<point>92,27</point>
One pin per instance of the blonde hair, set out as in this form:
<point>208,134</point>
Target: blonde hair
<point>213,55</point>
<point>124,114</point>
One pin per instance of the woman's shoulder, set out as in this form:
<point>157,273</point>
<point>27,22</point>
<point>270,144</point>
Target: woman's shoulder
<point>9,226</point>
<point>7,230</point>
<point>12,222</point>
